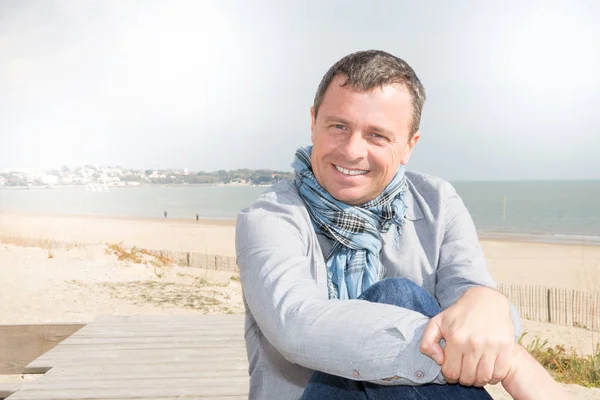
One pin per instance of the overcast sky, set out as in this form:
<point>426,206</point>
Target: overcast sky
<point>513,89</point>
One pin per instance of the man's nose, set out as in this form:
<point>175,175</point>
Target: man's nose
<point>355,147</point>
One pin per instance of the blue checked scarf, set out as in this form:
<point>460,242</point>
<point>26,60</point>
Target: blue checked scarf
<point>353,263</point>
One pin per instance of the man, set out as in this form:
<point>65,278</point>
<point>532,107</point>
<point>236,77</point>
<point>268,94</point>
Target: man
<point>363,280</point>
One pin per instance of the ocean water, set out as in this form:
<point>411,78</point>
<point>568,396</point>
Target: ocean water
<point>537,207</point>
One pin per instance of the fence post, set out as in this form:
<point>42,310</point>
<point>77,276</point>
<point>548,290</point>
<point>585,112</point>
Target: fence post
<point>187,255</point>
<point>549,313</point>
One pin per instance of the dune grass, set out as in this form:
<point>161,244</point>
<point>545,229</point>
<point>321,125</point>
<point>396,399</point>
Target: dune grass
<point>567,366</point>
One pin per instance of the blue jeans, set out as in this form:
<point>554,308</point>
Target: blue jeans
<point>402,293</point>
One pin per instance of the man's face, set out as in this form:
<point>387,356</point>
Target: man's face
<point>360,139</point>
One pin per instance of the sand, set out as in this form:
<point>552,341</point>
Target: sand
<point>206,236</point>
<point>80,283</point>
<point>553,265</point>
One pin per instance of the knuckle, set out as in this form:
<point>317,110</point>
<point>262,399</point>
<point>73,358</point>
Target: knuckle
<point>483,380</point>
<point>476,343</point>
<point>458,338</point>
<point>497,376</point>
<point>450,374</point>
<point>466,381</point>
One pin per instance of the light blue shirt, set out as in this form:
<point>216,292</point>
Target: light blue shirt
<point>292,328</point>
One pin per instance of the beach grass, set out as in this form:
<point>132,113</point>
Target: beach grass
<point>139,256</point>
<point>566,365</point>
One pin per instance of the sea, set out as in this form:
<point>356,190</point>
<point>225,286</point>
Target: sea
<point>562,211</point>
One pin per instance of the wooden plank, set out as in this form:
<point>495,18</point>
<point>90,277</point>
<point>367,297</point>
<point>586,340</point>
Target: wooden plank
<point>173,384</point>
<point>148,319</point>
<point>156,340</point>
<point>144,368</point>
<point>150,358</point>
<point>147,397</point>
<point>164,334</point>
<point>170,321</point>
<point>131,345</point>
<point>6,389</point>
<point>37,368</point>
<point>160,354</point>
<point>133,397</point>
<point>171,328</point>
<point>219,371</point>
<point>209,397</point>
<point>210,389</point>
<point>21,344</point>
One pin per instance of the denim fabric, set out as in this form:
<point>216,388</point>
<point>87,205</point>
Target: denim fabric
<point>403,293</point>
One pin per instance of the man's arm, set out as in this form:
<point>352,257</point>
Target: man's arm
<point>528,380</point>
<point>354,339</point>
<point>478,323</point>
<point>461,263</point>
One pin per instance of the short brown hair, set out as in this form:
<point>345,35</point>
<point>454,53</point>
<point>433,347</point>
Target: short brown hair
<point>365,70</point>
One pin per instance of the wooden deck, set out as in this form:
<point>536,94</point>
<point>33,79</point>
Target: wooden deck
<point>145,357</point>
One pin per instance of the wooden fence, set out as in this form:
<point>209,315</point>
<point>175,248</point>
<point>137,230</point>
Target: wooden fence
<point>42,243</point>
<point>537,303</point>
<point>199,260</point>
<point>182,258</point>
<point>557,306</point>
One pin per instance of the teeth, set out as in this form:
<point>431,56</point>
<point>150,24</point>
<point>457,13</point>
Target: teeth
<point>350,172</point>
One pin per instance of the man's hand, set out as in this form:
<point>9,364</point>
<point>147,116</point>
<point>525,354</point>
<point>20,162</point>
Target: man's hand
<point>479,337</point>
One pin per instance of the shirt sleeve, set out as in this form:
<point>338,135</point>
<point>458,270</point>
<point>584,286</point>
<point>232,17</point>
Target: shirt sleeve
<point>462,264</point>
<point>354,339</point>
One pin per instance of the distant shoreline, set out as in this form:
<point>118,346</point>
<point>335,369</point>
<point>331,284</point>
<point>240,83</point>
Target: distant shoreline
<point>550,238</point>
<point>202,221</point>
<point>131,186</point>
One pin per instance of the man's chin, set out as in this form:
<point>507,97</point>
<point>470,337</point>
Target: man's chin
<point>351,197</point>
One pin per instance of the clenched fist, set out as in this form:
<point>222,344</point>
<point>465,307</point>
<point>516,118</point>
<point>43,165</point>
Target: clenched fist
<point>479,336</point>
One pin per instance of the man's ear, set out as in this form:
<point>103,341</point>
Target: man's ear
<point>409,147</point>
<point>313,122</point>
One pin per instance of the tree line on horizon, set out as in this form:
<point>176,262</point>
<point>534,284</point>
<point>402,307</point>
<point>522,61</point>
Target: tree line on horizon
<point>153,176</point>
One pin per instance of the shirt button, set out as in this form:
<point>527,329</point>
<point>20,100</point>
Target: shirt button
<point>419,374</point>
<point>355,373</point>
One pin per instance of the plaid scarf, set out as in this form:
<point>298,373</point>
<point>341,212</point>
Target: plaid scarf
<point>353,263</point>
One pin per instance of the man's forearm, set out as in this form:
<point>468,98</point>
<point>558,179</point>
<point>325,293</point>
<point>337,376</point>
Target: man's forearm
<point>528,380</point>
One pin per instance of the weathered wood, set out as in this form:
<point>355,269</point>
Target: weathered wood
<point>192,343</point>
<point>21,344</point>
<point>6,389</point>
<point>75,341</point>
<point>201,357</point>
<point>140,320</point>
<point>206,361</point>
<point>220,371</point>
<point>145,368</point>
<point>198,383</point>
<point>187,397</point>
<point>133,391</point>
<point>150,355</point>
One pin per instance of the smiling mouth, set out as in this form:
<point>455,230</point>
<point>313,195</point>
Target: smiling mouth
<point>350,172</point>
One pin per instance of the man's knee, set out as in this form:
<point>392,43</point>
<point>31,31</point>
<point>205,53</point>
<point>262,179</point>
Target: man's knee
<point>402,292</point>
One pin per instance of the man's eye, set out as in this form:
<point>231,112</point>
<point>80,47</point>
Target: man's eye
<point>339,126</point>
<point>377,136</point>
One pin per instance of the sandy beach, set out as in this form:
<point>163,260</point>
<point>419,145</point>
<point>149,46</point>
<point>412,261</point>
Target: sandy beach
<point>80,283</point>
<point>205,236</point>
